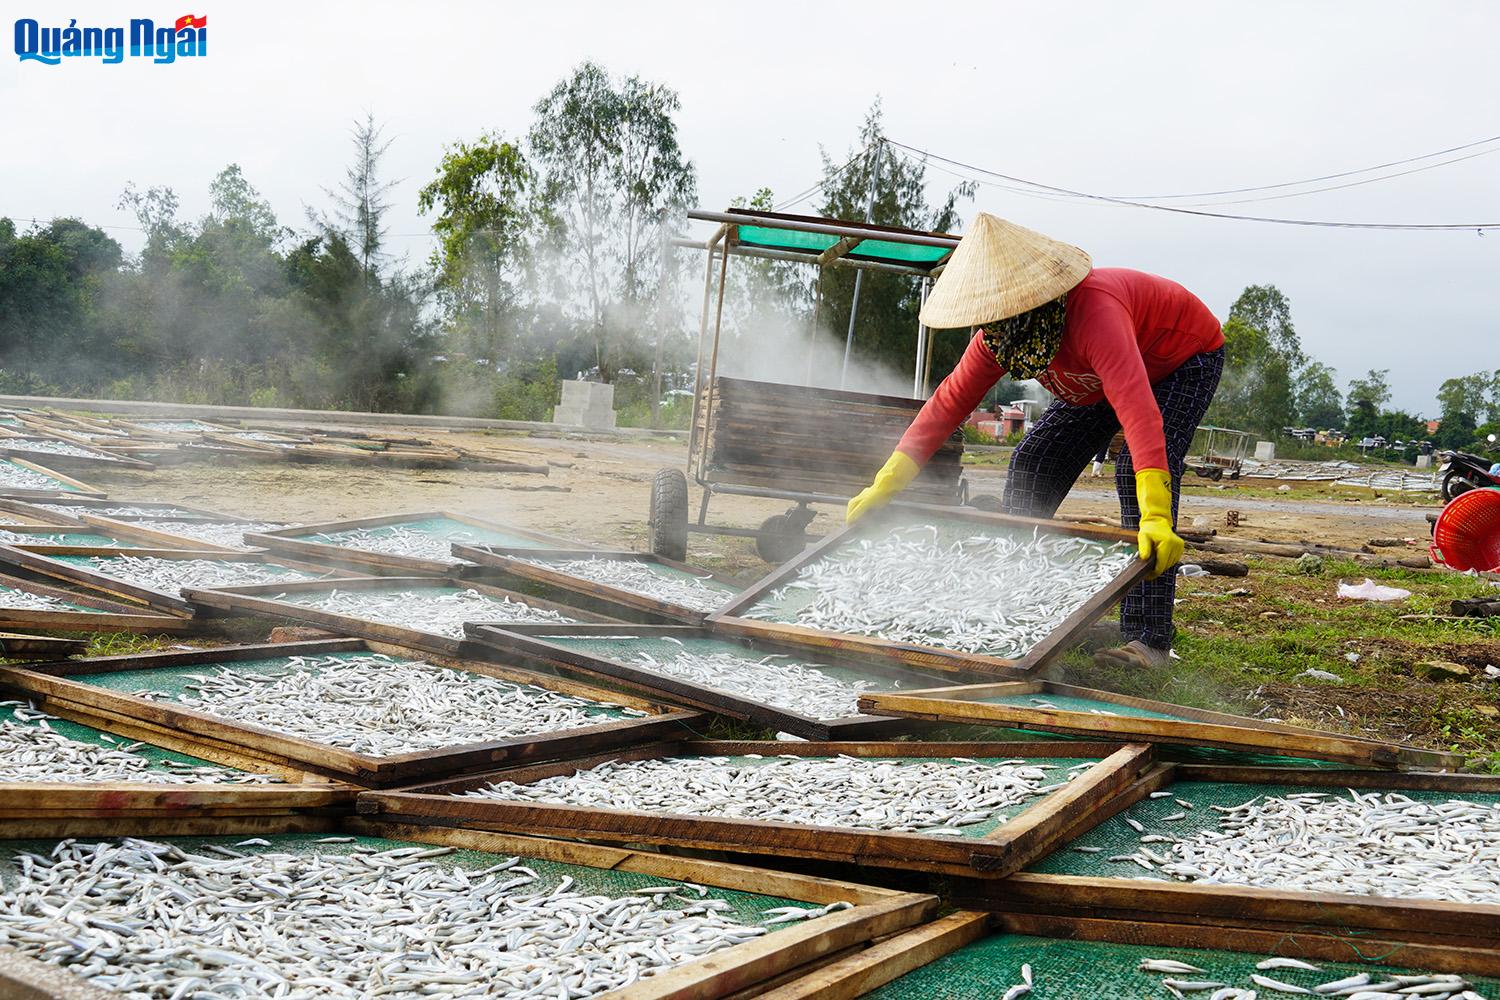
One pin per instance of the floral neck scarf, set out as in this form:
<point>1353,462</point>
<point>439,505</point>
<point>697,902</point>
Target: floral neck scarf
<point>1025,345</point>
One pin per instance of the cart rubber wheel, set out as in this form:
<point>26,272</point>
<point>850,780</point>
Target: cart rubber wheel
<point>667,528</point>
<point>779,540</point>
<point>1216,475</point>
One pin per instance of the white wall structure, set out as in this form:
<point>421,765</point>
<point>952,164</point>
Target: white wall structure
<point>586,404</point>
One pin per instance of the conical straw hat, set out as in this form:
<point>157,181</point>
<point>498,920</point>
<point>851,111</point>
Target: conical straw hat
<point>1000,270</point>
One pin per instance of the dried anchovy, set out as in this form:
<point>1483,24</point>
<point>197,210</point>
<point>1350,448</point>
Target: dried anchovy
<point>174,426</point>
<point>18,538</point>
<point>441,614</point>
<point>123,509</point>
<point>1376,844</point>
<point>31,751</point>
<point>56,448</point>
<point>789,684</point>
<point>13,599</point>
<point>381,706</point>
<point>225,534</point>
<point>935,796</point>
<point>168,576</point>
<point>999,594</point>
<point>156,921</point>
<point>399,540</point>
<point>18,477</point>
<point>698,593</point>
<point>264,436</point>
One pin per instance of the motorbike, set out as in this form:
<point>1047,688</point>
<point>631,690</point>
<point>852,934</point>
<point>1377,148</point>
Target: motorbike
<point>1462,472</point>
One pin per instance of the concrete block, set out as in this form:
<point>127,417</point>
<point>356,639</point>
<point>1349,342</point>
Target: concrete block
<point>1265,451</point>
<point>586,404</point>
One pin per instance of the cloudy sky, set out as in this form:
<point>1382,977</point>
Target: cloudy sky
<point>1140,98</point>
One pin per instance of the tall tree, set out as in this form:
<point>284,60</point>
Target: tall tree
<point>1464,402</point>
<point>1262,355</point>
<point>1319,404</point>
<point>360,198</point>
<point>1265,308</point>
<point>886,323</point>
<point>611,163</point>
<point>1366,397</point>
<point>489,217</point>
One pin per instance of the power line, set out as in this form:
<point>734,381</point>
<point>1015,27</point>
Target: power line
<point>1324,177</point>
<point>1036,188</point>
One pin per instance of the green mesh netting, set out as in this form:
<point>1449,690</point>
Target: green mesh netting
<point>626,649</point>
<point>19,477</point>
<point>789,239</point>
<point>1088,970</point>
<point>1069,703</point>
<point>87,734</point>
<point>1115,837</point>
<point>21,592</point>
<point>1059,770</point>
<point>442,528</point>
<point>748,907</point>
<point>172,681</point>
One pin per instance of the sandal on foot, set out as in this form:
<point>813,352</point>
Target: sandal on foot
<point>1133,654</point>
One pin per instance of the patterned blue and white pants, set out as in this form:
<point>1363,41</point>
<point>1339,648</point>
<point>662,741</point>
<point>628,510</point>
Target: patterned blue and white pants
<point>1054,453</point>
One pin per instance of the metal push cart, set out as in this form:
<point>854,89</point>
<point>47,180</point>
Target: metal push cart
<point>1224,453</point>
<point>764,439</point>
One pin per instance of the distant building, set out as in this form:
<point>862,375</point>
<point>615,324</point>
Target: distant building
<point>1432,427</point>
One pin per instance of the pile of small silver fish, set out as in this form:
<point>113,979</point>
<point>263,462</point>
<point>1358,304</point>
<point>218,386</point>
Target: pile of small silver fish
<point>24,600</point>
<point>174,426</point>
<point>225,534</point>
<point>854,793</point>
<point>168,576</point>
<point>776,680</point>
<point>399,540</point>
<point>155,921</point>
<point>1370,844</point>
<point>30,750</point>
<point>999,594</point>
<point>125,510</point>
<point>698,593</point>
<point>18,477</point>
<point>56,448</point>
<point>440,614</point>
<point>382,706</point>
<point>1361,986</point>
<point>263,436</point>
<point>18,538</point>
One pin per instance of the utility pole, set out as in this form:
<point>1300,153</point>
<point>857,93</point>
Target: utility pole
<point>859,275</point>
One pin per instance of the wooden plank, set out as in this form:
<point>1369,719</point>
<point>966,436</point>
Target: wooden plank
<point>1036,829</point>
<point>1041,826</point>
<point>949,705</point>
<point>886,961</point>
<point>924,657</point>
<point>1293,943</point>
<point>16,646</point>
<point>100,799</point>
<point>152,826</point>
<point>111,615</point>
<point>157,538</point>
<point>79,488</point>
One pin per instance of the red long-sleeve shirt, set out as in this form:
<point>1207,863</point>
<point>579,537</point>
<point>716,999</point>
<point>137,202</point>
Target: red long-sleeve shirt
<point>1125,330</point>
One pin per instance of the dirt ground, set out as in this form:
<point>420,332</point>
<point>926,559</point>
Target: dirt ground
<point>597,491</point>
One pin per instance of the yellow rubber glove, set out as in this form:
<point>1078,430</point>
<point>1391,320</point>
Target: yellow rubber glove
<point>1153,491</point>
<point>893,477</point>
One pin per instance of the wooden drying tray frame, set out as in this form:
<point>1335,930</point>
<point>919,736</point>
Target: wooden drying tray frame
<point>101,459</point>
<point>511,561</point>
<point>156,540</point>
<point>528,644</point>
<point>292,541</point>
<point>1195,727</point>
<point>30,809</point>
<point>731,617</point>
<point>1015,843</point>
<point>163,539</point>
<point>788,953</point>
<point>52,686</point>
<point>1329,926</point>
<point>139,432</point>
<point>16,646</point>
<point>34,562</point>
<point>259,600</point>
<point>112,616</point>
<point>80,488</point>
<point>47,516</point>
